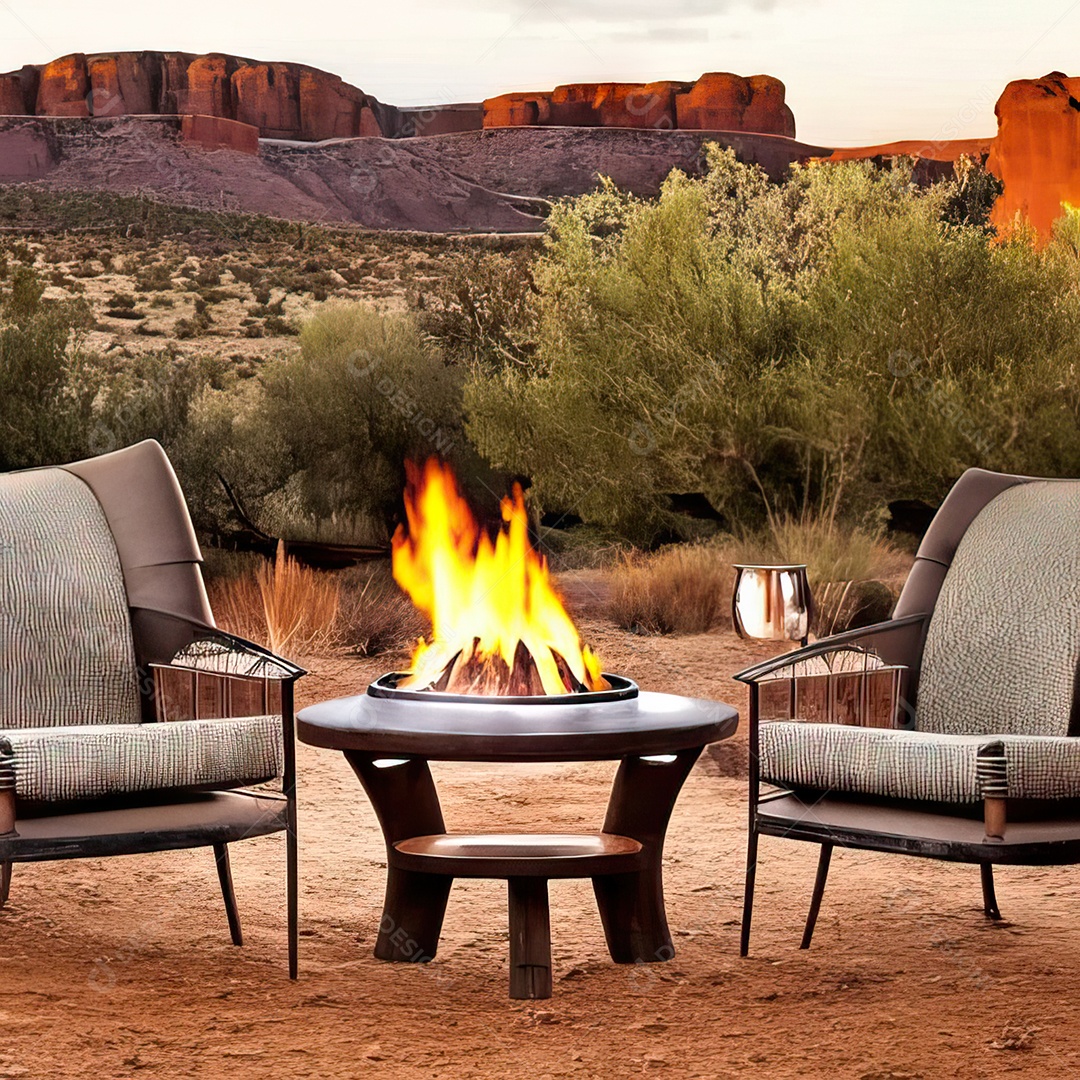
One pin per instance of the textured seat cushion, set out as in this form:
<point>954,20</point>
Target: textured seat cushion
<point>66,650</point>
<point>926,766</point>
<point>1003,645</point>
<point>71,764</point>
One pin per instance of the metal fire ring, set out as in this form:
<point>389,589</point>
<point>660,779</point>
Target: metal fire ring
<point>620,689</point>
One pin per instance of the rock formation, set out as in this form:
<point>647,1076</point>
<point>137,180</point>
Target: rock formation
<point>281,101</point>
<point>64,88</point>
<point>933,159</point>
<point>716,102</point>
<point>12,102</point>
<point>1036,154</point>
<point>205,88</point>
<point>294,101</point>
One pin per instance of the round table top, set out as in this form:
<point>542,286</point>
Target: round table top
<point>647,724</point>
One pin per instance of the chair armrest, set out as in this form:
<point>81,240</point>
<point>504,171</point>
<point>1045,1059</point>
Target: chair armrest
<point>886,640</point>
<point>218,651</point>
<point>219,676</point>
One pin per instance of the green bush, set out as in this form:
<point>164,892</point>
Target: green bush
<point>816,347</point>
<point>480,309</point>
<point>45,402</point>
<point>339,417</point>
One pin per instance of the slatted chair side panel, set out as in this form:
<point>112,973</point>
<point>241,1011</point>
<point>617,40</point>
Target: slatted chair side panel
<point>857,698</point>
<point>184,694</point>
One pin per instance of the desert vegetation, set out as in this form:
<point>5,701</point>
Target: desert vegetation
<point>756,369</point>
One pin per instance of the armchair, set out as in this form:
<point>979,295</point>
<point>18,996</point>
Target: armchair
<point>950,731</point>
<point>129,722</point>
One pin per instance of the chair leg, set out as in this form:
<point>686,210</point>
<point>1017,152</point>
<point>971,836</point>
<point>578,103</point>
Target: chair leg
<point>293,887</point>
<point>990,904</point>
<point>819,888</point>
<point>748,890</point>
<point>224,869</point>
<point>5,882</point>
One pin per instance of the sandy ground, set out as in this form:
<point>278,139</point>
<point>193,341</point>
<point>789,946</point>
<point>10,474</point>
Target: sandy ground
<point>122,968</point>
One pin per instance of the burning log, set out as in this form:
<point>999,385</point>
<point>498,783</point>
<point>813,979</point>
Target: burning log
<point>471,672</point>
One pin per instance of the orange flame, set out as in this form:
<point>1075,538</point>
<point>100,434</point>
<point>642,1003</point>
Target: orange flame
<point>483,597</point>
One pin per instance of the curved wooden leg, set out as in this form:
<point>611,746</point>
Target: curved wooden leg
<point>412,916</point>
<point>632,912</point>
<point>224,869</point>
<point>824,858</point>
<point>530,938</point>
<point>5,882</point>
<point>990,904</point>
<point>632,905</point>
<point>748,890</point>
<point>406,803</point>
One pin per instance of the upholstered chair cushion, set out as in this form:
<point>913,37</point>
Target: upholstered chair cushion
<point>65,629</point>
<point>1003,646</point>
<point>72,764</point>
<point>925,766</point>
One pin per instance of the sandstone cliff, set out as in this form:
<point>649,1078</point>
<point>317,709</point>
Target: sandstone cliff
<point>716,102</point>
<point>1036,154</point>
<point>280,100</point>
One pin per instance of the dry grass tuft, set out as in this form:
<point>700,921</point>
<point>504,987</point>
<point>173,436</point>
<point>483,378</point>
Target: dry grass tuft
<point>374,615</point>
<point>831,552</point>
<point>291,608</point>
<point>854,575</point>
<point>300,604</point>
<point>287,606</point>
<point>237,606</point>
<point>681,590</point>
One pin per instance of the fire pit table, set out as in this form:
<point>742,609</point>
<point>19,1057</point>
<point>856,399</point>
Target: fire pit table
<point>388,737</point>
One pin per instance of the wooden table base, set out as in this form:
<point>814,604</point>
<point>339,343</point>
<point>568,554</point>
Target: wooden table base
<point>624,862</point>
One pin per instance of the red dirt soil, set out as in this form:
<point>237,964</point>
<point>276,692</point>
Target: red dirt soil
<point>123,968</point>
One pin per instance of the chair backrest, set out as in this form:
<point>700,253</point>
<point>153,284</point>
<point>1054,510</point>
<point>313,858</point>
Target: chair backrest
<point>1002,650</point>
<point>66,649</point>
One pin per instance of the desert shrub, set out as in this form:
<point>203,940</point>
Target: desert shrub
<point>682,589</point>
<point>480,308</point>
<point>208,275</point>
<point>813,348</point>
<point>374,615</point>
<point>149,396</point>
<point>362,394</point>
<point>227,437</point>
<point>45,400</point>
<point>154,278</point>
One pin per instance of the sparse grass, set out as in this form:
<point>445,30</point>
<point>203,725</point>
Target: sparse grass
<point>831,551</point>
<point>681,590</point>
<point>293,609</point>
<point>300,604</point>
<point>374,615</point>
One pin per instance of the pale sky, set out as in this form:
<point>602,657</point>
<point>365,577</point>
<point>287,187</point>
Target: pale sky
<point>856,71</point>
